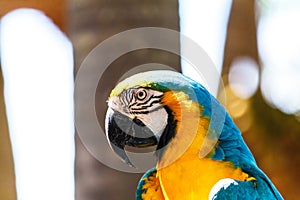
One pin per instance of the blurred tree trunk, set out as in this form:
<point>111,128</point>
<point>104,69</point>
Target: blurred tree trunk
<point>241,34</point>
<point>91,22</point>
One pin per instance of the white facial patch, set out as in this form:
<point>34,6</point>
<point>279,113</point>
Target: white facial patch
<point>156,121</point>
<point>143,104</point>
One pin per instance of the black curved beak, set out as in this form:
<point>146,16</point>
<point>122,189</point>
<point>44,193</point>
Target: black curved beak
<point>122,130</point>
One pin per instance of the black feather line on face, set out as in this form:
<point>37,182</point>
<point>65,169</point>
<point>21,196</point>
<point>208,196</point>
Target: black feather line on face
<point>168,133</point>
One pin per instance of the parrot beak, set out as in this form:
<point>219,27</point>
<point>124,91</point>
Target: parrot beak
<point>123,131</point>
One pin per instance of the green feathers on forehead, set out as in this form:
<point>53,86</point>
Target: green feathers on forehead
<point>160,80</point>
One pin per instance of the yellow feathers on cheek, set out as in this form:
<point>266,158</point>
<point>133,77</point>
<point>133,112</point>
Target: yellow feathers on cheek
<point>180,104</point>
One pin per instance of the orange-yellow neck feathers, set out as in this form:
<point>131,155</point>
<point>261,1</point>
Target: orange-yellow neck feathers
<point>181,171</point>
<point>190,130</point>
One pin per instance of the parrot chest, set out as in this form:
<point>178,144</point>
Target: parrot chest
<point>194,178</point>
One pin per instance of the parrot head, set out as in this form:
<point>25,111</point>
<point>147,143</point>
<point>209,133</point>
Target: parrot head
<point>141,109</point>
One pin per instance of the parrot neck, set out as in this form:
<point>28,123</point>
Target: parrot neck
<point>187,141</point>
<point>180,161</point>
<point>185,131</point>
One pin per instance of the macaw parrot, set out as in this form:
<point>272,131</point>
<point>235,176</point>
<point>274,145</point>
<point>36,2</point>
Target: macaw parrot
<point>200,151</point>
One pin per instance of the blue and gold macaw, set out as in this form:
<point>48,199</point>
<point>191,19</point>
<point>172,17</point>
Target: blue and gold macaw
<point>200,151</point>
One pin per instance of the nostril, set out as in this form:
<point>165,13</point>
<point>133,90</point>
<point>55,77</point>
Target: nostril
<point>138,122</point>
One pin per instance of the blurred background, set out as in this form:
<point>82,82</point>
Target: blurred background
<point>257,55</point>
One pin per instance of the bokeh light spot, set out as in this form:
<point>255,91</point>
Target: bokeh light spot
<point>244,77</point>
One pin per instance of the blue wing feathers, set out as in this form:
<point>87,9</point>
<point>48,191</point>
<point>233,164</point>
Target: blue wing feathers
<point>242,190</point>
<point>231,147</point>
<point>247,190</point>
<point>219,154</point>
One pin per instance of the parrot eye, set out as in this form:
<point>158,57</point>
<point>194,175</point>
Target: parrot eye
<point>141,94</point>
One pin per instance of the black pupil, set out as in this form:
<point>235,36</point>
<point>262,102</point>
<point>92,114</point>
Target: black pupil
<point>141,94</point>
